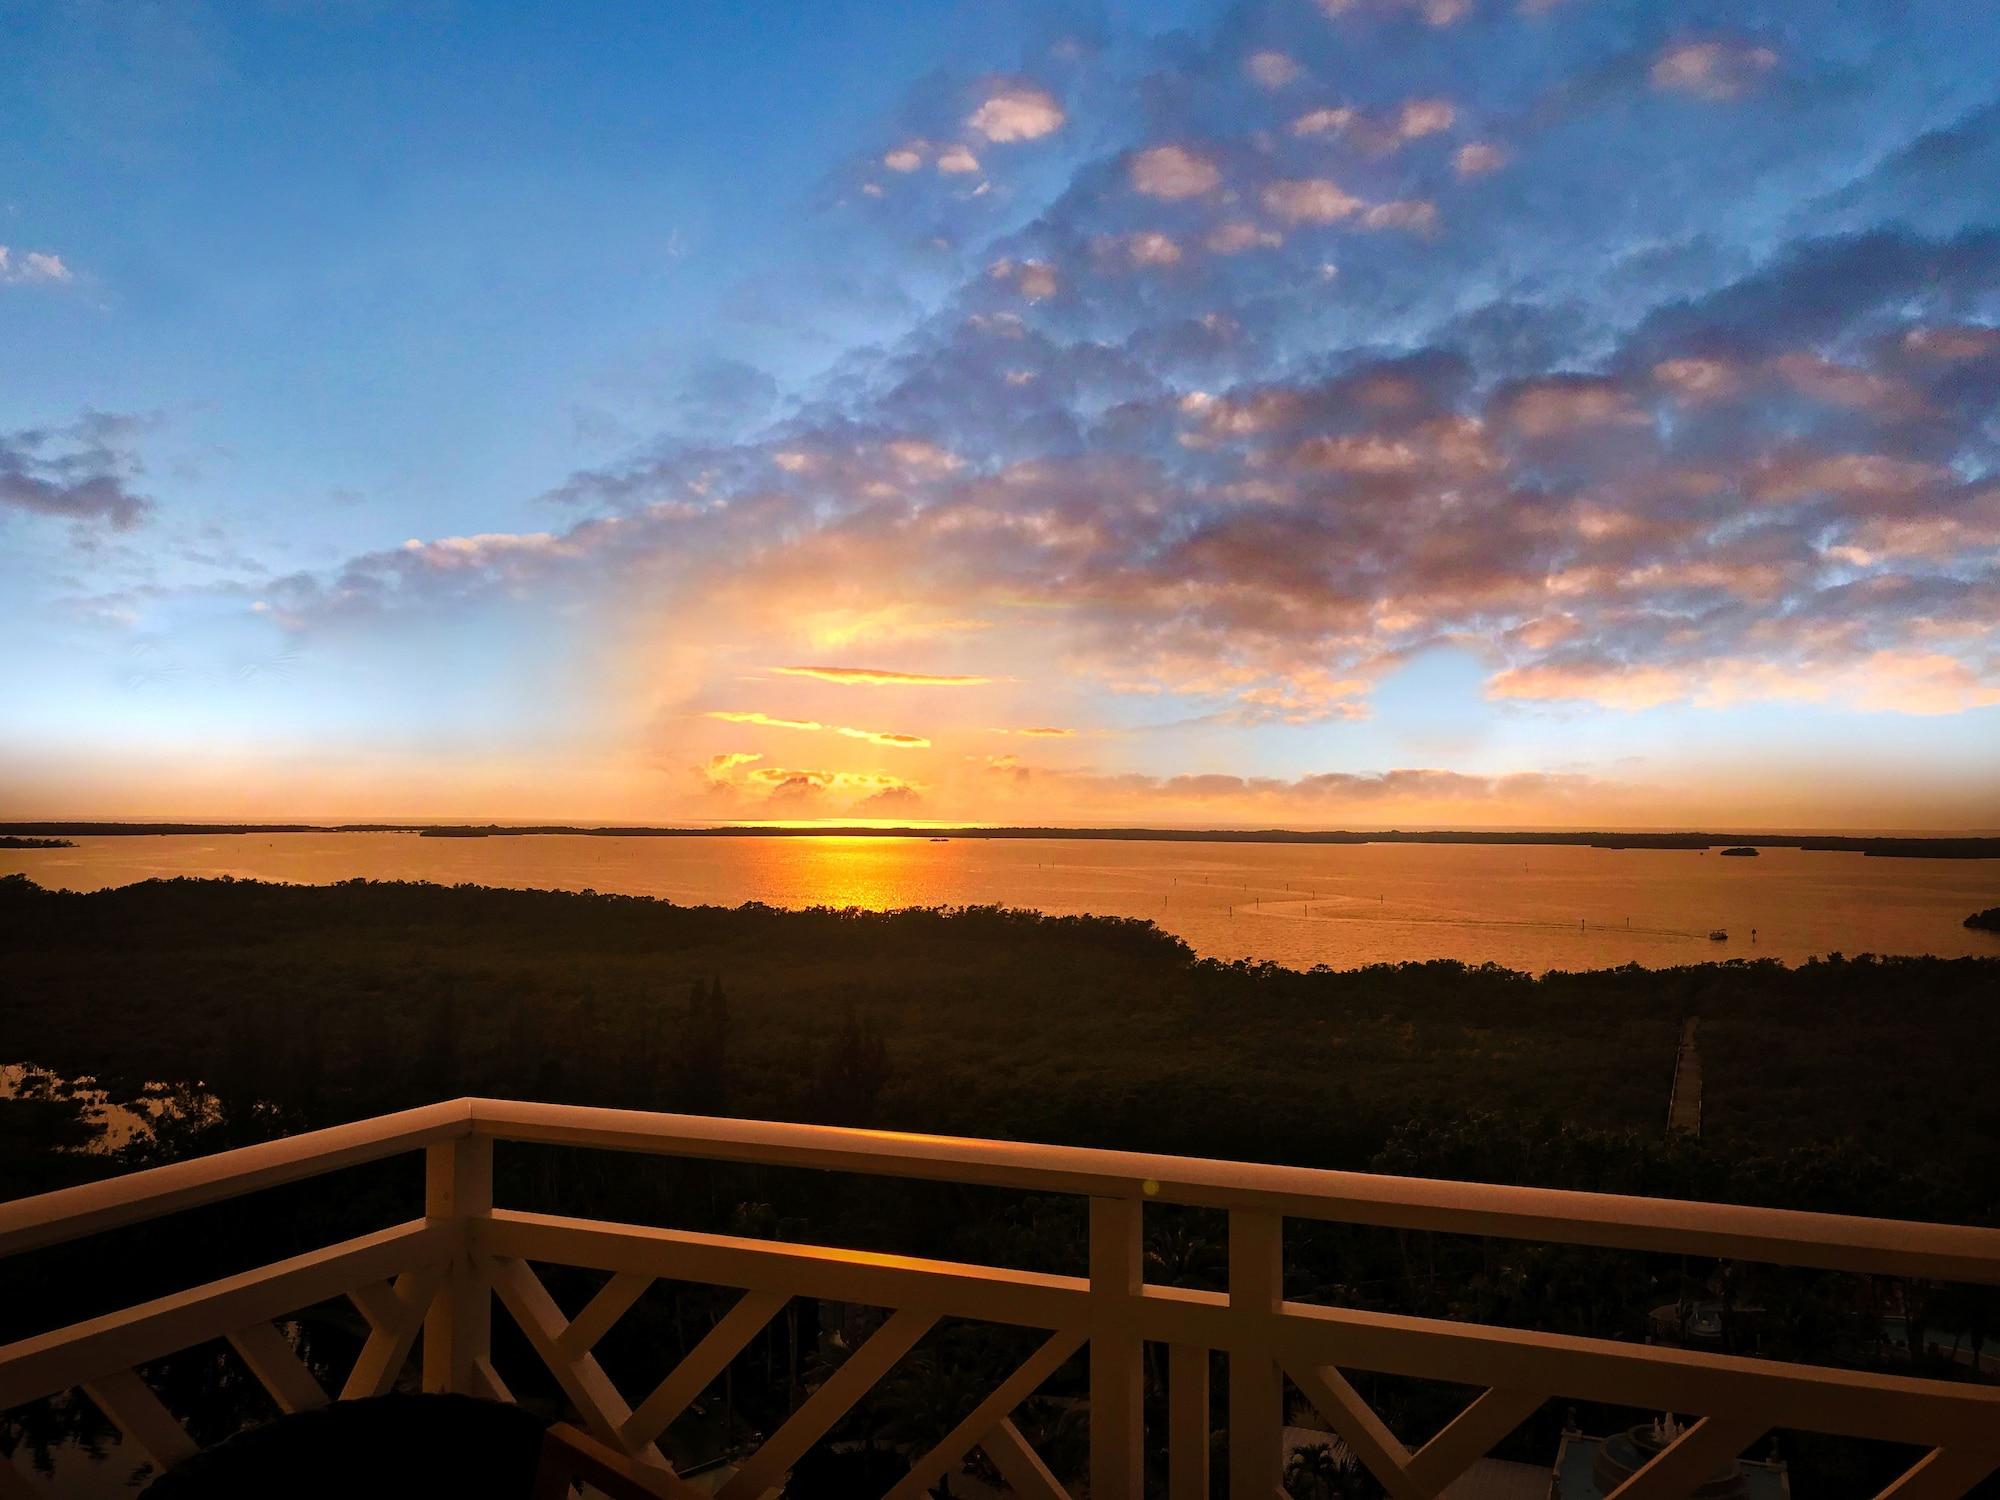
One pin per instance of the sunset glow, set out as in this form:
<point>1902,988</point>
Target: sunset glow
<point>1277,413</point>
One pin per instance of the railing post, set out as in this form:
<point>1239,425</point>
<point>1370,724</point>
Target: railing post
<point>1117,1370</point>
<point>458,1329</point>
<point>1256,1384</point>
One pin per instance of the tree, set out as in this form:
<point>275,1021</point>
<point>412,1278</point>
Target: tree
<point>699,1071</point>
<point>853,1072</point>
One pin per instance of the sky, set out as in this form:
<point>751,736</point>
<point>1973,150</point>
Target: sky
<point>1312,413</point>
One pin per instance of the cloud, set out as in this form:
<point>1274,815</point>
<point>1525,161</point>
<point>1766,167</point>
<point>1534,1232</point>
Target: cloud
<point>802,788</point>
<point>1713,70</point>
<point>872,736</point>
<point>1272,70</point>
<point>1017,112</point>
<point>1327,120</point>
<point>1033,279</point>
<point>1378,134</point>
<point>1151,248</point>
<point>880,677</point>
<point>32,266</point>
<point>1864,476</point>
<point>483,552</point>
<point>1310,200</point>
<point>81,473</point>
<point>1234,236</point>
<point>720,769</point>
<point>1953,342</point>
<point>1923,684</point>
<point>1173,172</point>
<point>1559,404</point>
<point>907,157</point>
<point>957,160</point>
<point>1434,12</point>
<point>1421,117</point>
<point>1608,685</point>
<point>1478,159</point>
<point>1698,379</point>
<point>1412,214</point>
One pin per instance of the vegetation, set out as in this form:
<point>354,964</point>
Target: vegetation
<point>1985,921</point>
<point>15,841</point>
<point>1839,1085</point>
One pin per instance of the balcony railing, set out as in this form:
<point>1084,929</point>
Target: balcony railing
<point>435,1280</point>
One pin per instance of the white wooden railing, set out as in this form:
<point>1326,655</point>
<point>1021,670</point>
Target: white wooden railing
<point>435,1279</point>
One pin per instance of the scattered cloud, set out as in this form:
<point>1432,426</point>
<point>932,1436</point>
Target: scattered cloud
<point>1273,70</point>
<point>1713,70</point>
<point>82,472</point>
<point>1412,214</point>
<point>1234,236</point>
<point>1432,12</point>
<point>1173,172</point>
<point>1478,159</point>
<point>1017,112</point>
<point>1308,200</point>
<point>1033,279</point>
<point>32,266</point>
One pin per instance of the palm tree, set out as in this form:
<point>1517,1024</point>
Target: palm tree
<point>1316,1472</point>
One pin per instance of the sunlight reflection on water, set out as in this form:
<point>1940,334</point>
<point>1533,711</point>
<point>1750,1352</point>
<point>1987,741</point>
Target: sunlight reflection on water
<point>1535,907</point>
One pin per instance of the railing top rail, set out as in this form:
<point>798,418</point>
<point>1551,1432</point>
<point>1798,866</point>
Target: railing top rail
<point>72,1213</point>
<point>1951,1252</point>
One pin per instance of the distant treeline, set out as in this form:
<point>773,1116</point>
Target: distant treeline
<point>1091,1030</point>
<point>1886,846</point>
<point>12,841</point>
<point>1856,1085</point>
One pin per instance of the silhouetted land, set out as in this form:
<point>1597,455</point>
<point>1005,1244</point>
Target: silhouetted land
<point>1856,1085</point>
<point>1985,921</point>
<point>1890,846</point>
<point>13,841</point>
<point>1094,1030</point>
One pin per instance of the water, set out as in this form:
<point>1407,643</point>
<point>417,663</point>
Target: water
<point>118,1122</point>
<point>1535,908</point>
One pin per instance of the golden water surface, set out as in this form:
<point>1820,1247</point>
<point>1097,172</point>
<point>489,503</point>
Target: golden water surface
<point>1537,907</point>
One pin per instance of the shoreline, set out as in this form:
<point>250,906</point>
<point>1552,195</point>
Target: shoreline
<point>1943,846</point>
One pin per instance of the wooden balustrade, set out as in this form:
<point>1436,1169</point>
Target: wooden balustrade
<point>435,1281</point>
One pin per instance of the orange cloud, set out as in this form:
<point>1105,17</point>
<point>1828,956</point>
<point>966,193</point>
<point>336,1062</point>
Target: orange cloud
<point>1239,235</point>
<point>1017,112</point>
<point>872,736</point>
<point>1173,172</point>
<point>1477,158</point>
<point>1309,200</point>
<point>880,677</point>
<point>764,720</point>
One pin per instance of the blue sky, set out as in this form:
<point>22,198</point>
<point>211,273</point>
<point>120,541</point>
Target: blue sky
<point>1319,411</point>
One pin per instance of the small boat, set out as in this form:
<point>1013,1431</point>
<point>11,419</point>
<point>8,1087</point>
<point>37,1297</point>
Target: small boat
<point>1718,936</point>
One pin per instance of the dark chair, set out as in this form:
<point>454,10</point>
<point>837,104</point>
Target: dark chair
<point>410,1447</point>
